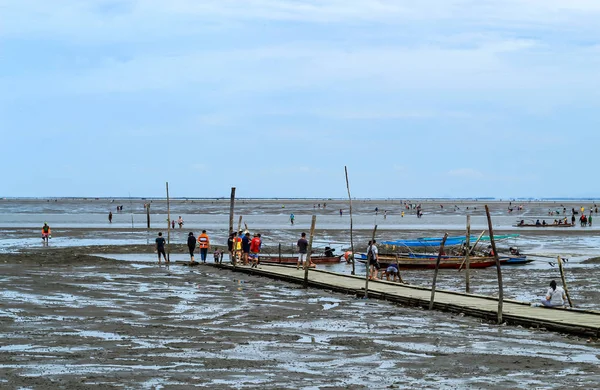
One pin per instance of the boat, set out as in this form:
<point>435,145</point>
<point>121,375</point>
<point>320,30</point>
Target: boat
<point>504,259</point>
<point>293,259</point>
<point>553,225</point>
<point>437,241</point>
<point>429,262</point>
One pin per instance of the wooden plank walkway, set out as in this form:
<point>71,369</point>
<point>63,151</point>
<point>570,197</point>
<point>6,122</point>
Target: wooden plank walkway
<point>579,322</point>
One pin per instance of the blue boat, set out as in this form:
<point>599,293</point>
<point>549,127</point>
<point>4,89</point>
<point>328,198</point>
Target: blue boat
<point>437,241</point>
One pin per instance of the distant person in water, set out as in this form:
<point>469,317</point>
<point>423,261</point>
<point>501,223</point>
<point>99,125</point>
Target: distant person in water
<point>173,224</point>
<point>180,222</point>
<point>555,296</point>
<point>159,247</point>
<point>292,217</point>
<point>110,217</point>
<point>46,233</point>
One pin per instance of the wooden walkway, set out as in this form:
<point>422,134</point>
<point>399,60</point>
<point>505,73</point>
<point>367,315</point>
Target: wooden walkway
<point>579,322</point>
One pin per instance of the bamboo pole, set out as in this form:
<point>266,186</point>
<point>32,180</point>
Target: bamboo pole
<point>351,235</point>
<point>435,273</point>
<point>279,252</point>
<point>231,207</point>
<point>499,271</point>
<point>476,242</point>
<point>369,256</point>
<point>168,226</point>
<point>468,263</point>
<point>398,266</point>
<point>310,241</point>
<point>564,282</point>
<point>148,214</point>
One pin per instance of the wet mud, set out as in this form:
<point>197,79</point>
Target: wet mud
<point>70,320</point>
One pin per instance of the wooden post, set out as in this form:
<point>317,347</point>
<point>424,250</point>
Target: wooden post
<point>468,243</point>
<point>500,289</point>
<point>369,256</point>
<point>435,274</point>
<point>564,282</point>
<point>239,224</point>
<point>168,226</point>
<point>148,214</point>
<point>351,237</point>
<point>279,252</point>
<point>310,241</point>
<point>231,206</point>
<point>398,266</point>
<point>476,242</point>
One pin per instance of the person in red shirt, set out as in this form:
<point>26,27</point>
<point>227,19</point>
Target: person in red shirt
<point>255,250</point>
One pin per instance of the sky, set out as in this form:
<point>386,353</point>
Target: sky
<point>418,99</point>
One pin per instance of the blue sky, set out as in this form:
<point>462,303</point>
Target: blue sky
<point>446,98</point>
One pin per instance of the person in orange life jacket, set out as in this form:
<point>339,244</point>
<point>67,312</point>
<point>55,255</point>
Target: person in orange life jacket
<point>46,233</point>
<point>255,250</point>
<point>203,244</point>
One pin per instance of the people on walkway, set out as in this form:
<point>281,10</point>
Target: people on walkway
<point>373,256</point>
<point>555,296</point>
<point>191,243</point>
<point>180,222</point>
<point>391,270</point>
<point>230,246</point>
<point>46,233</point>
<point>255,250</point>
<point>159,247</point>
<point>110,217</point>
<point>203,244</point>
<point>302,250</point>
<point>237,246</point>
<point>246,247</point>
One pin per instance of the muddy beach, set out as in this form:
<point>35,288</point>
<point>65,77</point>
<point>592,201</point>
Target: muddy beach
<point>70,319</point>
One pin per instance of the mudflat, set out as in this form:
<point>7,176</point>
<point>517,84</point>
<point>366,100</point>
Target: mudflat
<point>71,320</point>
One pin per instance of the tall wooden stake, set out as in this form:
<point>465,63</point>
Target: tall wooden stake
<point>351,236</point>
<point>476,242</point>
<point>467,262</point>
<point>231,206</point>
<point>437,267</point>
<point>500,288</point>
<point>148,214</point>
<point>168,226</point>
<point>310,241</point>
<point>369,256</point>
<point>564,282</point>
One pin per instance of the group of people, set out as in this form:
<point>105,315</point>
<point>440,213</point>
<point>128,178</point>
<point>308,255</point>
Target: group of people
<point>203,243</point>
<point>242,248</point>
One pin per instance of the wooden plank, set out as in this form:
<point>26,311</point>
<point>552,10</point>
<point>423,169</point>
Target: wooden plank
<point>580,322</point>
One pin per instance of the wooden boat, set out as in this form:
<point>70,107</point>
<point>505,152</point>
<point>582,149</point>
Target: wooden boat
<point>293,259</point>
<point>429,262</point>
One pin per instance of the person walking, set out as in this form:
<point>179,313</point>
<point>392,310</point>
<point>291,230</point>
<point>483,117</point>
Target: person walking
<point>159,247</point>
<point>191,243</point>
<point>302,250</point>
<point>173,224</point>
<point>46,233</point>
<point>292,217</point>
<point>203,244</point>
<point>110,217</point>
<point>180,222</point>
<point>373,256</point>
